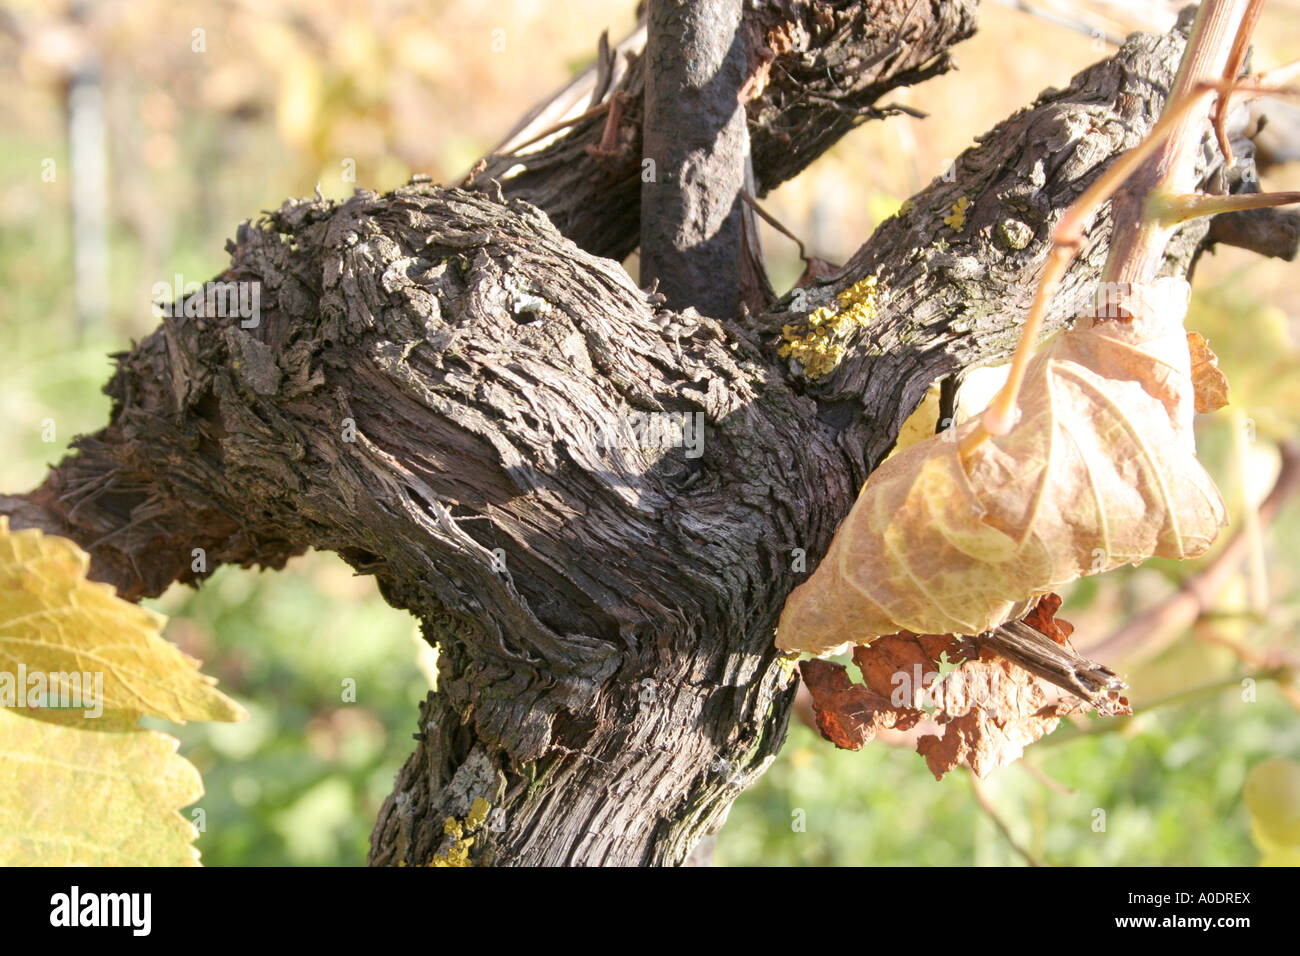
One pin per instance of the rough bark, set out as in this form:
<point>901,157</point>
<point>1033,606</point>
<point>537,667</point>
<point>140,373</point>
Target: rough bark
<point>818,68</point>
<point>604,611</point>
<point>949,299</point>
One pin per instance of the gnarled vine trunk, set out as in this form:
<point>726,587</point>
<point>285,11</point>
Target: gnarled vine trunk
<point>450,391</point>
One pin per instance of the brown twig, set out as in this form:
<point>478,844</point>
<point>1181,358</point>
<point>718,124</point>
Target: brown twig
<point>561,126</point>
<point>609,139</point>
<point>1236,61</point>
<point>1267,232</point>
<point>1256,659</point>
<point>772,221</point>
<point>1041,775</point>
<point>986,805</point>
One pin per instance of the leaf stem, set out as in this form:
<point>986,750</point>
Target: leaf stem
<point>1176,209</point>
<point>986,804</point>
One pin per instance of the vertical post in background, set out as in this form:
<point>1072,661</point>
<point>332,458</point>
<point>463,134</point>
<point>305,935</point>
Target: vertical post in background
<point>88,163</point>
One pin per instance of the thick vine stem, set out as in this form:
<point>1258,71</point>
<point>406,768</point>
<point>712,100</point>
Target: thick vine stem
<point>696,151</point>
<point>451,395</point>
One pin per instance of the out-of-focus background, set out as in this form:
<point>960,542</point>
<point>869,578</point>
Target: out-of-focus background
<point>149,129</point>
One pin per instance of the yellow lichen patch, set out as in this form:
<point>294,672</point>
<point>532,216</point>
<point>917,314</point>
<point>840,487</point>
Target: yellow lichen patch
<point>455,855</point>
<point>478,812</point>
<point>820,348</point>
<point>787,663</point>
<point>956,220</point>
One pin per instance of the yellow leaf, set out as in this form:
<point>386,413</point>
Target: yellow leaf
<point>55,624</point>
<point>1100,470</point>
<point>919,425</point>
<point>105,796</point>
<point>1272,797</point>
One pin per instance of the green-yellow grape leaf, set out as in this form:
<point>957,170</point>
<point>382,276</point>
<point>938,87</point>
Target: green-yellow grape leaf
<point>53,621</point>
<point>1272,795</point>
<point>101,795</point>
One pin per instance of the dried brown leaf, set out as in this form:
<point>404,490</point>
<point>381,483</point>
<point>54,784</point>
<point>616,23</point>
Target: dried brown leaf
<point>1099,471</point>
<point>815,270</point>
<point>1043,619</point>
<point>848,714</point>
<point>888,659</point>
<point>1208,381</point>
<point>988,709</point>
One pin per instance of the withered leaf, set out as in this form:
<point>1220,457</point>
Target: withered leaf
<point>1100,470</point>
<point>988,709</point>
<point>888,660</point>
<point>1042,618</point>
<point>848,714</point>
<point>1208,381</point>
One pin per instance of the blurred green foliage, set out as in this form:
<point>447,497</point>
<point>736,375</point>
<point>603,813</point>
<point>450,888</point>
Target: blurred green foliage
<point>1169,786</point>
<point>302,779</point>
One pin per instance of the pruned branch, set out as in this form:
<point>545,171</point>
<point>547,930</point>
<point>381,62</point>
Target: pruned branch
<point>1055,663</point>
<point>696,150</point>
<point>816,69</point>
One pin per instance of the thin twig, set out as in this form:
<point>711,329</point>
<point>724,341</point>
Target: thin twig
<point>1249,655</point>
<point>1236,61</point>
<point>987,806</point>
<point>775,224</point>
<point>1117,724</point>
<point>1041,775</point>
<point>597,110</point>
